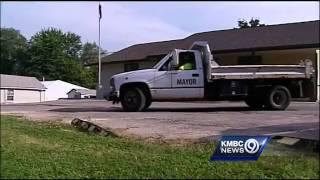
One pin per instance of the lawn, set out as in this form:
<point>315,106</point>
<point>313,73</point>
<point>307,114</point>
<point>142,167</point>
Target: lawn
<point>46,150</point>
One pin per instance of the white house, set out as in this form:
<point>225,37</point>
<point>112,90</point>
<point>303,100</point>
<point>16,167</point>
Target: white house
<point>20,89</point>
<point>58,89</point>
<point>82,93</point>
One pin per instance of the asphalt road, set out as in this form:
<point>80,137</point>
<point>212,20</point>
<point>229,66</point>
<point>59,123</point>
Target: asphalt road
<point>201,120</point>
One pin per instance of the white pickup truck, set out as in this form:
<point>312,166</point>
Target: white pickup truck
<point>186,75</point>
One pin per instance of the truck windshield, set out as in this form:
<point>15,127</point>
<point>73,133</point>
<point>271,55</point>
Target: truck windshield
<point>161,61</point>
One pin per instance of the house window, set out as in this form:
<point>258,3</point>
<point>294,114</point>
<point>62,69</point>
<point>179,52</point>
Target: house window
<point>131,67</point>
<point>249,60</point>
<point>10,95</point>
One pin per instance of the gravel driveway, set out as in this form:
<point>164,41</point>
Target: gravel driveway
<point>188,120</point>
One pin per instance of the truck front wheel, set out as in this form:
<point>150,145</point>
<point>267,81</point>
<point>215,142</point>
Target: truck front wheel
<point>133,100</point>
<point>278,98</point>
<point>148,103</point>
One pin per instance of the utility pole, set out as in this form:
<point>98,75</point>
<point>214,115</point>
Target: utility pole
<point>100,16</point>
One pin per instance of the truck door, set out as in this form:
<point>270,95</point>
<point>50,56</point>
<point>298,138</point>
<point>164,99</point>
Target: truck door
<point>187,78</point>
<point>161,85</point>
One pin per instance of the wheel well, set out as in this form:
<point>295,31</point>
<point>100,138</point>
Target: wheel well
<point>143,86</point>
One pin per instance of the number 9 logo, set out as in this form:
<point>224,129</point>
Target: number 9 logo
<point>251,146</point>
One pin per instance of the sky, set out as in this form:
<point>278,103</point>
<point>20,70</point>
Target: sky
<point>127,23</point>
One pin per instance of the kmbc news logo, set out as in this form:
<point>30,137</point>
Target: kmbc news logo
<point>232,148</point>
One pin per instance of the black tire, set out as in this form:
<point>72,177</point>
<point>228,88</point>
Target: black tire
<point>254,102</point>
<point>278,98</point>
<point>133,100</point>
<point>148,103</point>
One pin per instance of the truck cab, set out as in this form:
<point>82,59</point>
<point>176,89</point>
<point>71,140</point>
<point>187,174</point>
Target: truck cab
<point>178,76</point>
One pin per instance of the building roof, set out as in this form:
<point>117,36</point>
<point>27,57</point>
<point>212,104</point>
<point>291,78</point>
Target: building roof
<point>61,83</point>
<point>20,82</point>
<point>281,36</point>
<point>84,91</point>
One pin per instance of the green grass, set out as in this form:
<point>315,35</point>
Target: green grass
<point>43,150</point>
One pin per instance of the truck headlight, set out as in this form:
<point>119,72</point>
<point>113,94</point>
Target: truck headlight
<point>112,87</point>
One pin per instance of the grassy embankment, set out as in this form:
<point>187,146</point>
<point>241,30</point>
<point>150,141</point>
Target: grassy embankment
<point>44,150</point>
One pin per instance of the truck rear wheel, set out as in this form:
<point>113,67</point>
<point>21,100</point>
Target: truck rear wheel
<point>133,100</point>
<point>278,98</point>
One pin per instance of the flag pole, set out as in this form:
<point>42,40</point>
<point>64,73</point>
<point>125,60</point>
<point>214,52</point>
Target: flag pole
<point>99,46</point>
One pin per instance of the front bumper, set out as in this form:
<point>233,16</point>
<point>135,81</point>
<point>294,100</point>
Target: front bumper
<point>113,96</point>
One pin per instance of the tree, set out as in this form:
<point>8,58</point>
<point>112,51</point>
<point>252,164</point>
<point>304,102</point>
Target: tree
<point>89,56</point>
<point>51,54</point>
<point>13,50</point>
<point>49,49</point>
<point>90,53</point>
<point>77,74</point>
<point>242,23</point>
<point>56,55</point>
